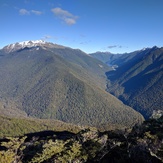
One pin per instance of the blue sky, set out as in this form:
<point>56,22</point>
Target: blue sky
<point>116,26</point>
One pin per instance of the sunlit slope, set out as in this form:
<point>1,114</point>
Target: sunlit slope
<point>43,84</point>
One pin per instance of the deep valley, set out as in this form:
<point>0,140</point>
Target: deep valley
<point>63,104</point>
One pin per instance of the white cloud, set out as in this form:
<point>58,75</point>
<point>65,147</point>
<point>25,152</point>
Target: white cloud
<point>64,15</point>
<point>70,21</point>
<point>114,46</point>
<point>28,12</point>
<point>58,11</point>
<point>24,12</point>
<point>36,12</point>
<point>46,37</point>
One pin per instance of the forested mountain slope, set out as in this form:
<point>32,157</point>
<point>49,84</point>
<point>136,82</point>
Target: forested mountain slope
<point>50,81</point>
<point>138,80</point>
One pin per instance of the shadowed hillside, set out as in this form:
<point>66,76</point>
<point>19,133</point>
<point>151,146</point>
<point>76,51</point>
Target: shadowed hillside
<point>138,81</point>
<point>141,144</point>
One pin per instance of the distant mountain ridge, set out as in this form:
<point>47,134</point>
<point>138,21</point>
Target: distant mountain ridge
<point>119,58</point>
<point>141,79</point>
<point>137,79</point>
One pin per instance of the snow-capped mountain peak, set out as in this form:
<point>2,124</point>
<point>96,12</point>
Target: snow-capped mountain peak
<point>23,44</point>
<point>29,43</point>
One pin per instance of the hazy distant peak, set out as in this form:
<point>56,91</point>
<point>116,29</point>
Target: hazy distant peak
<point>147,48</point>
<point>101,52</point>
<point>144,49</point>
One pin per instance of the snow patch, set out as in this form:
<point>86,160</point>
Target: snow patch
<point>101,66</point>
<point>31,43</point>
<point>23,44</point>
